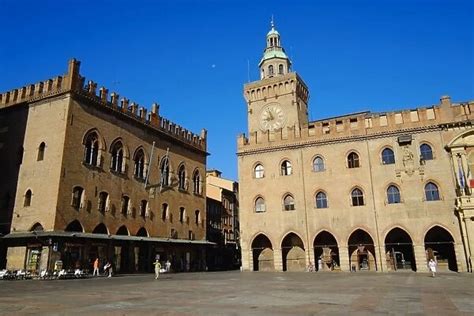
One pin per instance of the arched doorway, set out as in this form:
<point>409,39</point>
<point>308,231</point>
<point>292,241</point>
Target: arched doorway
<point>439,245</point>
<point>293,254</point>
<point>74,226</point>
<point>326,252</point>
<point>122,231</point>
<point>399,250</point>
<point>101,229</point>
<point>37,227</point>
<point>361,251</point>
<point>262,254</point>
<point>123,252</point>
<point>141,253</point>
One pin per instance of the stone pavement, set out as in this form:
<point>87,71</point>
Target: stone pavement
<point>244,293</point>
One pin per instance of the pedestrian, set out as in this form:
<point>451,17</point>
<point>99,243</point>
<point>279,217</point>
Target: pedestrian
<point>168,266</point>
<point>432,265</point>
<point>96,267</point>
<point>320,264</point>
<point>157,268</point>
<point>108,268</point>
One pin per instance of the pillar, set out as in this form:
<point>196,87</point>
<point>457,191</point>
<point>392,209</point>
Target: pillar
<point>380,259</point>
<point>344,258</point>
<point>247,259</point>
<point>310,257</point>
<point>277,259</point>
<point>460,254</point>
<point>420,258</point>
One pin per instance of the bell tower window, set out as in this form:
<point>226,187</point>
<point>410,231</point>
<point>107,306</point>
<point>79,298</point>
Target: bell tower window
<point>270,70</point>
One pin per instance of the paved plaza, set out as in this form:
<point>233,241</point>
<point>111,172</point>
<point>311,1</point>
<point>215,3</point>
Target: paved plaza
<point>244,293</point>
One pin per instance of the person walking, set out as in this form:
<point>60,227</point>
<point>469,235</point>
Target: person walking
<point>432,266</point>
<point>96,267</point>
<point>108,269</point>
<point>168,266</point>
<point>157,268</point>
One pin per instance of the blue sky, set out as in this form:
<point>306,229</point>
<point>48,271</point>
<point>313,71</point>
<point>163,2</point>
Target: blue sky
<point>192,56</point>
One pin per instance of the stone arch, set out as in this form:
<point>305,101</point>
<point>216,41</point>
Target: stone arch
<point>399,253</point>
<point>262,253</point>
<point>293,254</point>
<point>326,249</point>
<point>123,231</point>
<point>361,251</point>
<point>36,227</point>
<point>74,226</point>
<point>439,245</point>
<point>142,232</point>
<point>101,229</point>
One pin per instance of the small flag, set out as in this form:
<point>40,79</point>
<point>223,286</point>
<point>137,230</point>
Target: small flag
<point>462,179</point>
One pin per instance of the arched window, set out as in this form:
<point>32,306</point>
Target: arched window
<point>260,205</point>
<point>321,200</point>
<point>197,217</point>
<point>431,192</point>
<point>318,164</point>
<point>182,178</point>
<point>286,168</point>
<point>393,195</point>
<point>77,197</point>
<point>139,159</point>
<point>289,203</point>
<point>182,214</point>
<point>91,150</point>
<point>41,149</point>
<point>197,182</point>
<point>117,161</point>
<point>143,208</point>
<point>357,197</point>
<point>125,205</point>
<point>165,172</point>
<point>270,70</point>
<point>259,171</point>
<point>103,205</point>
<point>353,160</point>
<point>164,211</point>
<point>426,153</point>
<point>280,69</point>
<point>388,157</point>
<point>27,201</point>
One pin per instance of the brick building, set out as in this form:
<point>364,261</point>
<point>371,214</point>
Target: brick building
<point>86,174</point>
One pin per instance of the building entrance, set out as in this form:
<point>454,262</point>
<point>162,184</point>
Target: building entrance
<point>439,245</point>
<point>399,251</point>
<point>293,254</point>
<point>362,252</point>
<point>326,252</point>
<point>262,254</point>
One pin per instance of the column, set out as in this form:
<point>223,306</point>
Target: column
<point>247,259</point>
<point>420,258</point>
<point>310,257</point>
<point>380,259</point>
<point>460,255</point>
<point>344,259</point>
<point>277,259</point>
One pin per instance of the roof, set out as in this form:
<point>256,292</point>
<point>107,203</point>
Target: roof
<point>35,234</point>
<point>273,54</point>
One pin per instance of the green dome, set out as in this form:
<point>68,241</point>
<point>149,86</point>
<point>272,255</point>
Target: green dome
<point>273,54</point>
<point>273,32</point>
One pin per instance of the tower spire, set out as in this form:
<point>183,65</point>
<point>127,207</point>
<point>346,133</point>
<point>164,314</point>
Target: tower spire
<point>274,62</point>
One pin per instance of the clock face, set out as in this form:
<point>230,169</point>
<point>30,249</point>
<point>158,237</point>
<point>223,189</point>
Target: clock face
<point>272,117</point>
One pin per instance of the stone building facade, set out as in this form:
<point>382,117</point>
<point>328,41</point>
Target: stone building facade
<point>363,191</point>
<point>222,204</point>
<point>91,175</point>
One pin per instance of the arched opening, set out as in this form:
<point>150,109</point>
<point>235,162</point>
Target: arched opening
<point>262,254</point>
<point>361,251</point>
<point>439,245</point>
<point>399,250</point>
<point>122,231</point>
<point>74,226</point>
<point>37,227</point>
<point>293,254</point>
<point>142,232</point>
<point>41,150</point>
<point>100,229</point>
<point>326,252</point>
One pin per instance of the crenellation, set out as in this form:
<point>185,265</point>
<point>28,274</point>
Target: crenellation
<point>72,81</point>
<point>103,92</point>
<point>114,98</point>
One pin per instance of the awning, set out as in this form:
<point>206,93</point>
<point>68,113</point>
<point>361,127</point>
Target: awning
<point>64,234</point>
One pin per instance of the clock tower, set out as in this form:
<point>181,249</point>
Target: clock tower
<point>280,98</point>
